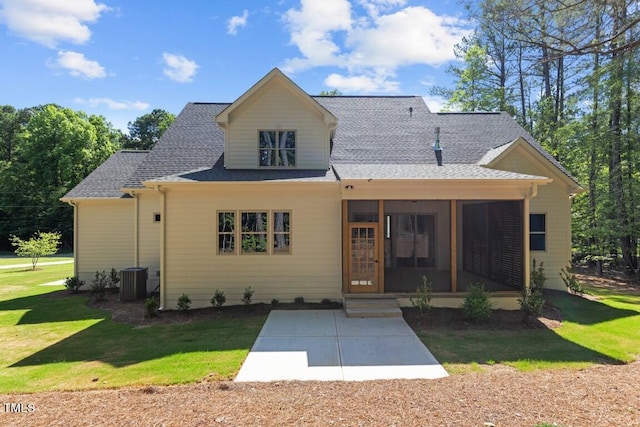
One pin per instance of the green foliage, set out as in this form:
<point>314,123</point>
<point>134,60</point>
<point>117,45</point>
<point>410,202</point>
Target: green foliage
<point>299,300</point>
<point>151,307</point>
<point>99,285</point>
<point>73,284</point>
<point>218,299</point>
<point>275,302</point>
<point>477,307</point>
<point>146,130</point>
<point>423,298</point>
<point>326,301</point>
<point>570,280</point>
<point>41,244</point>
<point>532,299</point>
<point>114,279</point>
<point>184,303</point>
<point>247,295</point>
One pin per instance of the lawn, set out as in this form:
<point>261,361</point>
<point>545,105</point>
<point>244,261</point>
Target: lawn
<point>53,341</point>
<point>7,259</point>
<point>603,331</point>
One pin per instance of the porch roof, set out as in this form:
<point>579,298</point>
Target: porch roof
<point>448,172</point>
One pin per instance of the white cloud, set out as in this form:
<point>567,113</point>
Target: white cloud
<point>112,104</point>
<point>362,83</point>
<point>434,102</point>
<point>178,68</point>
<point>78,66</point>
<point>373,45</point>
<point>236,22</point>
<point>49,22</point>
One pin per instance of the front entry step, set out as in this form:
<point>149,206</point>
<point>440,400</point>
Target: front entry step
<point>372,307</point>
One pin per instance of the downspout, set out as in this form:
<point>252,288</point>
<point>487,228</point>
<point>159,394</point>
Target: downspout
<point>163,272</point>
<point>75,236</point>
<point>136,235</point>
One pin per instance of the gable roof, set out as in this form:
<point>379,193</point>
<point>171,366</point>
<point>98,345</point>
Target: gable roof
<point>275,74</point>
<point>106,181</point>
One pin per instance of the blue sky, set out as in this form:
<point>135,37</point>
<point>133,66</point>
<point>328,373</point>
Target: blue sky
<point>121,59</point>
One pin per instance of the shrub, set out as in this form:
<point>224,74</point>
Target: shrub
<point>218,299</point>
<point>150,307</point>
<point>184,303</point>
<point>423,299</point>
<point>299,300</point>
<point>247,295</point>
<point>532,298</point>
<point>275,302</point>
<point>113,280</point>
<point>571,281</point>
<point>99,285</point>
<point>476,306</point>
<point>73,284</point>
<point>326,301</point>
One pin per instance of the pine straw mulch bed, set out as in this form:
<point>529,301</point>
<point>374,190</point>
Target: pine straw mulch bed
<point>601,395</point>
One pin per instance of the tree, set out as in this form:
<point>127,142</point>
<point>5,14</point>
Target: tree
<point>41,244</point>
<point>146,130</point>
<point>332,92</point>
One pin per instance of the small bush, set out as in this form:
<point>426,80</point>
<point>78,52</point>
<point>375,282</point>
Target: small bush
<point>476,306</point>
<point>151,307</point>
<point>113,280</point>
<point>218,299</point>
<point>537,278</point>
<point>184,303</point>
<point>275,302</point>
<point>571,281</point>
<point>99,285</point>
<point>73,284</point>
<point>299,300</point>
<point>247,295</point>
<point>423,299</point>
<point>326,301</point>
<point>532,298</point>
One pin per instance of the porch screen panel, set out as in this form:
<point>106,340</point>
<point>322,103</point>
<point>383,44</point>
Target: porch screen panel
<point>474,247</point>
<point>505,243</point>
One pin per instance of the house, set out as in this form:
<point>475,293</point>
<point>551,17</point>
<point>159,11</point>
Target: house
<point>321,197</point>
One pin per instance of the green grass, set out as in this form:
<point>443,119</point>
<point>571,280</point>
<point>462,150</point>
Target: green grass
<point>607,331</point>
<point>51,341</point>
<point>13,259</point>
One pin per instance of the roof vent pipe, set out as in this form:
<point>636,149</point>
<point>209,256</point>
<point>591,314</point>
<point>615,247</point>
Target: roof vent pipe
<point>437,148</point>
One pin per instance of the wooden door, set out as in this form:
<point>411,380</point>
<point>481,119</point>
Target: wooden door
<point>363,257</point>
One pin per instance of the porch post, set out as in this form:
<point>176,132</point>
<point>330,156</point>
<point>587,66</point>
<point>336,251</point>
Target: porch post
<point>380,254</point>
<point>525,240</point>
<point>345,246</point>
<point>454,246</point>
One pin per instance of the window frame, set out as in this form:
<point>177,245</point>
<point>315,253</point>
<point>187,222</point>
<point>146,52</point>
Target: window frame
<point>542,232</point>
<point>276,150</point>
<point>273,233</point>
<point>227,233</point>
<point>242,233</point>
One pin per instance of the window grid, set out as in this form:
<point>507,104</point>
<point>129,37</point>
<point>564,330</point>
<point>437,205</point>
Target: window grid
<point>254,226</point>
<point>226,232</point>
<point>538,232</point>
<point>281,232</point>
<point>277,148</point>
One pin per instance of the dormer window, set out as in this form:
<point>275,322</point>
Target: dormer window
<point>277,148</point>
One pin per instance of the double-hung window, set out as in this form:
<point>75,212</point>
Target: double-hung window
<point>538,232</point>
<point>277,148</point>
<point>254,232</point>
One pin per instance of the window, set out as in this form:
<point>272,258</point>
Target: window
<point>537,232</point>
<point>277,148</point>
<point>254,232</point>
<point>226,232</point>
<point>156,217</point>
<point>281,232</point>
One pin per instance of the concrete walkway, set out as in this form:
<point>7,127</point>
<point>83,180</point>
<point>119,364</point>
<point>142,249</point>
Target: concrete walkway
<point>29,265</point>
<point>326,345</point>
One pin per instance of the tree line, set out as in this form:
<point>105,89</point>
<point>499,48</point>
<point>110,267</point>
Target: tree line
<point>45,151</point>
<point>568,71</point>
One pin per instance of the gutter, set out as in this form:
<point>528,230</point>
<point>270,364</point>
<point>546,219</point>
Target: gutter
<point>75,235</point>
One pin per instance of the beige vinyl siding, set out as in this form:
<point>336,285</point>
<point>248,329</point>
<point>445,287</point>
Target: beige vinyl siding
<point>149,236</point>
<point>275,107</point>
<point>312,270</point>
<point>552,200</point>
<point>104,236</point>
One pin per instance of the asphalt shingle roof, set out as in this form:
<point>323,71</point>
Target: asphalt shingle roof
<point>429,172</point>
<point>372,130</point>
<point>108,178</point>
